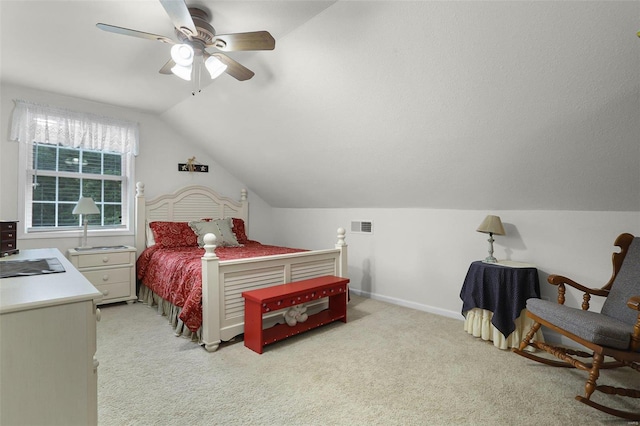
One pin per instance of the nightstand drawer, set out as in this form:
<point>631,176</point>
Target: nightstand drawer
<point>112,291</point>
<point>104,259</point>
<point>7,226</point>
<point>108,276</point>
<point>7,245</point>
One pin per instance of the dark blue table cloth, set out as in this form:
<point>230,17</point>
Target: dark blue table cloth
<point>500,289</point>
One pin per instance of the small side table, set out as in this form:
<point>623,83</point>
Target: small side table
<point>494,299</point>
<point>110,269</point>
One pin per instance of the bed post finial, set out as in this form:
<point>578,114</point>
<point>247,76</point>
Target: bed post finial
<point>210,295</point>
<point>209,245</point>
<point>243,195</point>
<point>139,189</point>
<point>343,264</point>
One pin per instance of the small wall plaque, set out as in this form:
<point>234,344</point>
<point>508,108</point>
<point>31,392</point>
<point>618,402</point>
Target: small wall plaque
<point>193,166</point>
<point>185,167</point>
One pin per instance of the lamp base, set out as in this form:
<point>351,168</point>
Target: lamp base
<point>85,245</point>
<point>490,258</point>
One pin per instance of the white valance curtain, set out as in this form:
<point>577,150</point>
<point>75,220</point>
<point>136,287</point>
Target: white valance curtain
<point>46,124</point>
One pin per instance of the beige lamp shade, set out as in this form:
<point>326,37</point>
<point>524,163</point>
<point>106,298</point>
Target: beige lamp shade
<point>491,225</point>
<point>86,205</point>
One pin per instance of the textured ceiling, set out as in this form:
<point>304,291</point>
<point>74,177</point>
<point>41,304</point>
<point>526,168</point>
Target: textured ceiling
<point>462,105</point>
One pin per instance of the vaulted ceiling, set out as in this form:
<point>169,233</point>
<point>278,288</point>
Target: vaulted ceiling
<point>462,105</point>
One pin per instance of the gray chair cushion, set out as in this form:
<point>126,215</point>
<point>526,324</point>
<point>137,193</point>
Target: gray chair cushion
<point>591,326</point>
<point>626,284</point>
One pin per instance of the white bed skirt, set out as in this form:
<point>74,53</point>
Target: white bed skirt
<point>478,324</point>
<point>172,312</point>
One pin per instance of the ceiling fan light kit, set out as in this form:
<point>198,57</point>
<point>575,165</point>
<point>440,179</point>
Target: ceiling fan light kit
<point>182,54</point>
<point>182,71</point>
<point>215,67</point>
<point>196,35</point>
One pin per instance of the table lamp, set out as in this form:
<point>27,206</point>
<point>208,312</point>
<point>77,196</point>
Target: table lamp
<point>85,206</point>
<point>491,225</point>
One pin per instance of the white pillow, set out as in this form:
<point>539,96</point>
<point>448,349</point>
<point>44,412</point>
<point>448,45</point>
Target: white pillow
<point>150,240</point>
<point>228,235</point>
<point>201,227</point>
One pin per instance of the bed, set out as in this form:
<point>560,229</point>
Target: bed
<point>223,276</point>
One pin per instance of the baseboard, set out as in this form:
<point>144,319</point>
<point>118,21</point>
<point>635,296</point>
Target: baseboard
<point>549,335</point>
<point>407,304</point>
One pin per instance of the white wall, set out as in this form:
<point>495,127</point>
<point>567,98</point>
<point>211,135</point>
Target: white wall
<point>161,149</point>
<point>419,257</point>
<point>415,257</point>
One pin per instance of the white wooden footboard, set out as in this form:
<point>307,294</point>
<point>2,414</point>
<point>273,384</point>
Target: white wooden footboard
<point>224,282</point>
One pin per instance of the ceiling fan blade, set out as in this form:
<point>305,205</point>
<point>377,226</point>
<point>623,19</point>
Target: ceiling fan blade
<point>180,16</point>
<point>234,69</point>
<point>166,68</point>
<point>257,40</point>
<point>134,33</point>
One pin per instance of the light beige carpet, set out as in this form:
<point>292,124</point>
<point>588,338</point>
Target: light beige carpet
<point>388,365</point>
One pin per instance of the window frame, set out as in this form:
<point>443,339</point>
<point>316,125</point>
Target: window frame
<point>25,178</point>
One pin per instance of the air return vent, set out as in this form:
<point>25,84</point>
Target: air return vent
<point>362,227</point>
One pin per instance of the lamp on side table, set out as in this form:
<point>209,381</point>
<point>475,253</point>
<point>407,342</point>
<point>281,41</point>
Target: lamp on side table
<point>85,206</point>
<point>491,225</point>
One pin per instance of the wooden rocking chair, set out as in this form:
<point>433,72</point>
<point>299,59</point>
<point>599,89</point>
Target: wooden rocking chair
<point>613,333</point>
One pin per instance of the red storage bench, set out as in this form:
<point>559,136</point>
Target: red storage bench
<point>269,299</point>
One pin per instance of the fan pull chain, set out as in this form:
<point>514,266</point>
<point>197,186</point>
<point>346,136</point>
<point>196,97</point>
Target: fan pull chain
<point>197,73</point>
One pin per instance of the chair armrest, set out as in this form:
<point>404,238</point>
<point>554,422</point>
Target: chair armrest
<point>559,279</point>
<point>623,241</point>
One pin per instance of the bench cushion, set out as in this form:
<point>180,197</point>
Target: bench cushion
<point>591,326</point>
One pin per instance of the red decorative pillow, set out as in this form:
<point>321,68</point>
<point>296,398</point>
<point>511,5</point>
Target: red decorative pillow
<point>238,229</point>
<point>173,234</point>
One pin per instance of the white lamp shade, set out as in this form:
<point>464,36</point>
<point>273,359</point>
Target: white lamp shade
<point>215,66</point>
<point>491,225</point>
<point>182,72</point>
<point>182,54</point>
<point>86,205</point>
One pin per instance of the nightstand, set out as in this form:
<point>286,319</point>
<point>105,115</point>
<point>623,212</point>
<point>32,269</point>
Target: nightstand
<point>494,299</point>
<point>110,269</point>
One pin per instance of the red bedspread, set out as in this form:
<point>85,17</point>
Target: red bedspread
<point>175,274</point>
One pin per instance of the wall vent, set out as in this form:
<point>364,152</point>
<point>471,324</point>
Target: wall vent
<point>362,227</point>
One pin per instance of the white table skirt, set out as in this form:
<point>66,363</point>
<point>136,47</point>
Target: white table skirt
<point>478,324</point>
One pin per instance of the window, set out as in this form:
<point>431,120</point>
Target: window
<point>67,155</point>
<point>60,175</point>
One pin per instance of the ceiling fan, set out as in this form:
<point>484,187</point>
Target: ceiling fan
<point>196,35</point>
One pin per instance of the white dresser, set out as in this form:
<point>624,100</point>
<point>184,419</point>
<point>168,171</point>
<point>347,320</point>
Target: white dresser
<point>48,370</point>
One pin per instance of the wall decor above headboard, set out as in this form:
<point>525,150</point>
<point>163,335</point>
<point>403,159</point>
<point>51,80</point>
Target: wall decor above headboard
<point>193,166</point>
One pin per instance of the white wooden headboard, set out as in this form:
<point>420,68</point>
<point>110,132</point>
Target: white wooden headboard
<point>186,204</point>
